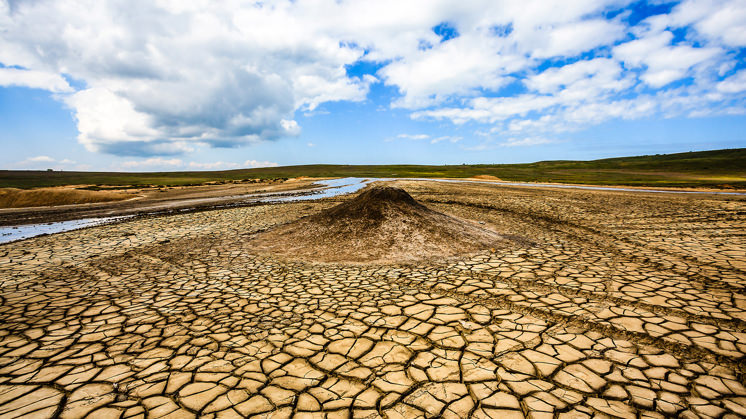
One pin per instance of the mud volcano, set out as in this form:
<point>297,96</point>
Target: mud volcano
<point>382,225</point>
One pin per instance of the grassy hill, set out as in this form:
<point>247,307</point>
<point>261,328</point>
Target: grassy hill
<point>716,168</point>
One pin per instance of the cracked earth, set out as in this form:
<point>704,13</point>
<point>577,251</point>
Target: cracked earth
<point>613,305</point>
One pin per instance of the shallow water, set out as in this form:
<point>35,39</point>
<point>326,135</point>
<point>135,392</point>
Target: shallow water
<point>13,233</point>
<point>331,187</point>
<point>327,189</point>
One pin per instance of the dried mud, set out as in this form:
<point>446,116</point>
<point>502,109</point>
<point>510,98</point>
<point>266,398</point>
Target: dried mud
<point>380,225</point>
<point>153,200</point>
<point>624,305</point>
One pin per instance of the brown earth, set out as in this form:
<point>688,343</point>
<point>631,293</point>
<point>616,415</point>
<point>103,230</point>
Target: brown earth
<point>487,177</point>
<point>23,198</point>
<point>382,224</point>
<point>149,200</point>
<point>627,305</point>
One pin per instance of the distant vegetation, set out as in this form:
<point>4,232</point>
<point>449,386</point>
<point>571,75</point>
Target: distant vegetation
<point>717,168</point>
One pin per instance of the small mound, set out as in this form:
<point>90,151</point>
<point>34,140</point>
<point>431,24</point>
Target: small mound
<point>382,224</point>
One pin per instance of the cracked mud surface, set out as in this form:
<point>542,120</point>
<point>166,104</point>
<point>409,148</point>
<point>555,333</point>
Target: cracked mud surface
<point>380,225</point>
<point>621,305</point>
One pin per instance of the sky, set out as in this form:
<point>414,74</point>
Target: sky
<point>210,85</point>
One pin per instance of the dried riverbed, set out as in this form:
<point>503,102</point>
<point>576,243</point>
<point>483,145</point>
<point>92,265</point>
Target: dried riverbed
<point>615,303</point>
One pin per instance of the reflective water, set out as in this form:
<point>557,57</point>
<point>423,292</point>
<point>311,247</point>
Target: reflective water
<point>331,187</point>
<point>13,233</point>
<point>326,189</point>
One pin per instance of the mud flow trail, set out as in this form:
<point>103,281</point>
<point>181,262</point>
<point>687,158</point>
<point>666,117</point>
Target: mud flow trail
<point>567,303</point>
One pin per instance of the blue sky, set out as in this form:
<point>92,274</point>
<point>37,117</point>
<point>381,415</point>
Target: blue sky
<point>171,85</point>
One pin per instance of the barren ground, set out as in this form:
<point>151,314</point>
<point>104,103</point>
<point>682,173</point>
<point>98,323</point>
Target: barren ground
<point>146,200</point>
<point>380,225</point>
<point>617,304</point>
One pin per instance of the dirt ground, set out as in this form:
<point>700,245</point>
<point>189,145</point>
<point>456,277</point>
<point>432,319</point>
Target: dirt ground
<point>149,200</point>
<point>380,225</point>
<point>617,305</point>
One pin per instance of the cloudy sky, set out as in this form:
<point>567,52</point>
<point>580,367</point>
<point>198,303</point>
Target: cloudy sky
<point>175,85</point>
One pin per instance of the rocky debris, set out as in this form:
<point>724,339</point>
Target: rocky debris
<point>381,224</point>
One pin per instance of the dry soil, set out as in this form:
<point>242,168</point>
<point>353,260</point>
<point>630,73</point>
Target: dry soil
<point>620,304</point>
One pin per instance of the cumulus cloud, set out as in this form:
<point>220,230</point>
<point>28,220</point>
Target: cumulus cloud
<point>456,67</point>
<point>167,77</point>
<point>161,78</point>
<point>576,37</point>
<point>733,84</point>
<point>719,21</point>
<point>585,78</point>
<point>664,63</point>
<point>650,72</point>
<point>33,79</point>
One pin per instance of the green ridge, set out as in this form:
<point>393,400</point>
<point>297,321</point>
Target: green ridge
<point>716,168</point>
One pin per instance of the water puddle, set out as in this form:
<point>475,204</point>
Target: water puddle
<point>327,188</point>
<point>13,233</point>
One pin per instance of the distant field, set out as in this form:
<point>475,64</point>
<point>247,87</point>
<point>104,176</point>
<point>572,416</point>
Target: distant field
<point>716,169</point>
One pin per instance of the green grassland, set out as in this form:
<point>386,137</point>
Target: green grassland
<point>714,169</point>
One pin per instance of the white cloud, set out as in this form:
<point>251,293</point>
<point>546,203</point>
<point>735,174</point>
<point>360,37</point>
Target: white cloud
<point>455,67</point>
<point>595,76</point>
<point>435,140</point>
<point>33,79</point>
<point>591,91</point>
<point>178,164</point>
<point>449,138</point>
<point>576,37</point>
<point>153,162</point>
<point>733,84</point>
<point>167,77</point>
<point>715,20</point>
<point>46,162</point>
<point>161,79</point>
<point>40,159</point>
<point>523,142</point>
<point>255,163</point>
<point>664,63</point>
<point>413,136</point>
<point>491,110</point>
<point>485,145</point>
